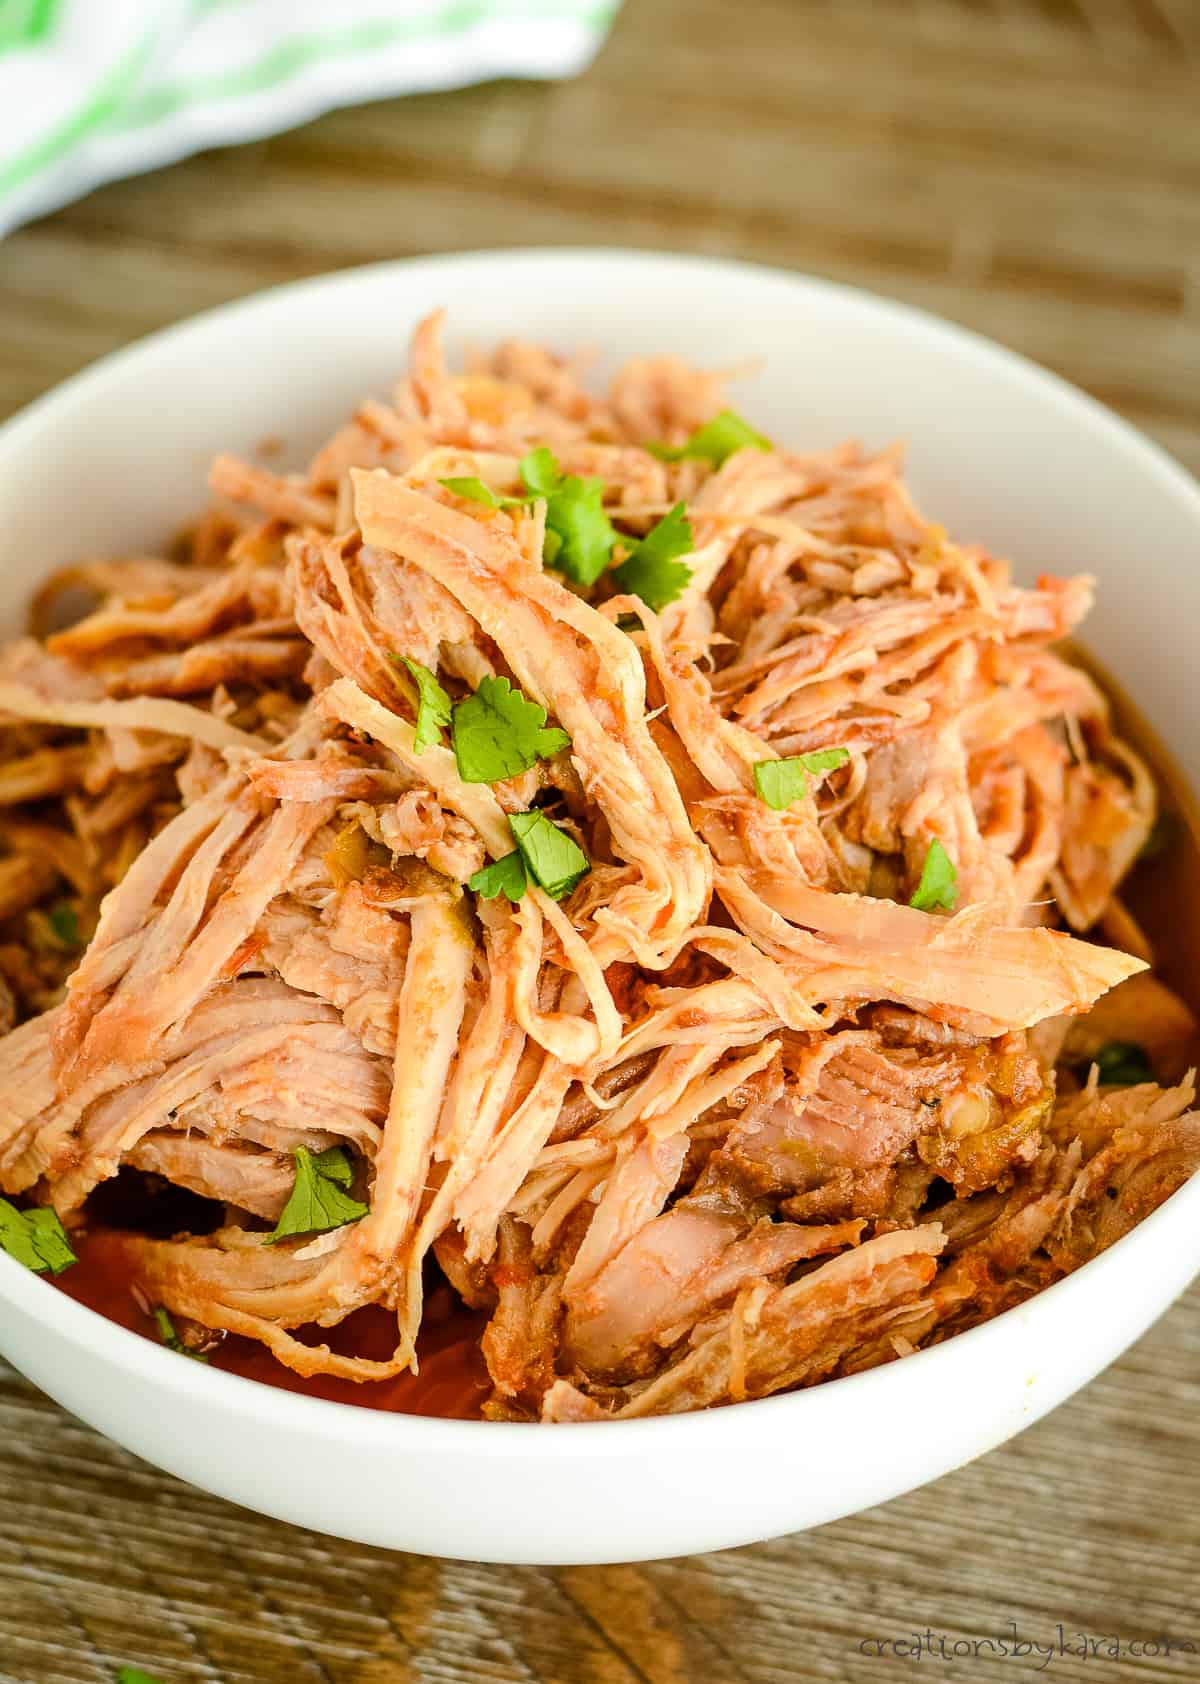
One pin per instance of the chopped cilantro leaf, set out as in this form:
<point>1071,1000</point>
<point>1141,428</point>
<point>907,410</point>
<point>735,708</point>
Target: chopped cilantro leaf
<point>780,782</point>
<point>505,876</point>
<point>134,1675</point>
<point>579,535</point>
<point>63,923</point>
<point>50,1239</point>
<point>334,1164</point>
<point>433,704</point>
<point>653,570</point>
<point>171,1339</point>
<point>1123,1064</point>
<point>475,491</point>
<point>553,859</point>
<point>939,881</point>
<point>317,1202</point>
<point>498,733</point>
<point>540,472</point>
<point>585,535</point>
<point>716,440</point>
<point>35,1238</point>
<point>825,759</point>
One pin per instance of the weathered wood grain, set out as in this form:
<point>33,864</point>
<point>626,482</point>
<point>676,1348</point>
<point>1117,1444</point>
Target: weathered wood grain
<point>1028,167</point>
<point>1089,1519</point>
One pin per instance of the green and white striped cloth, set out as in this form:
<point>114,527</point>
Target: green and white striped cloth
<point>95,89</point>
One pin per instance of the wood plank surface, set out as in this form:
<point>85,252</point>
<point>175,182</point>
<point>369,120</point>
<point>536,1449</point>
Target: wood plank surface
<point>1028,167</point>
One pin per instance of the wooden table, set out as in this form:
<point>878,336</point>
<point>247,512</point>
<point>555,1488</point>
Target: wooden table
<point>1029,167</point>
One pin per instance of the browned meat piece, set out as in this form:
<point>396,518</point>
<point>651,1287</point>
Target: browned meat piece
<point>281,496</point>
<point>673,1273</point>
<point>1106,821</point>
<point>221,660</point>
<point>259,1182</point>
<point>847,1103</point>
<point>776,1337</point>
<point>521,1342</point>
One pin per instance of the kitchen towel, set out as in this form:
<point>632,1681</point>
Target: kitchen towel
<point>95,89</point>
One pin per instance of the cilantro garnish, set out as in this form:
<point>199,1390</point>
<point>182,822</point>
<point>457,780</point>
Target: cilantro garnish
<point>939,880</point>
<point>498,733</point>
<point>317,1202</point>
<point>505,876</point>
<point>540,471</point>
<point>716,440</point>
<point>35,1238</point>
<point>171,1339</point>
<point>1123,1064</point>
<point>134,1675</point>
<point>825,759</point>
<point>553,859</point>
<point>586,537</point>
<point>475,491</point>
<point>579,535</point>
<point>780,782</point>
<point>653,570</point>
<point>433,704</point>
<point>63,923</point>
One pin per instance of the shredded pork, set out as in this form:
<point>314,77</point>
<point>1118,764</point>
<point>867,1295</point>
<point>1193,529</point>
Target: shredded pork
<point>728,1116</point>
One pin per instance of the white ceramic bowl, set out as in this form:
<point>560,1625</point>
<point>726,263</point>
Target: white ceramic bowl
<point>999,451</point>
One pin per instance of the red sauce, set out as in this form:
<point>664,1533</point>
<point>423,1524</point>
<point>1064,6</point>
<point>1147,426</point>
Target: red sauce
<point>452,1382</point>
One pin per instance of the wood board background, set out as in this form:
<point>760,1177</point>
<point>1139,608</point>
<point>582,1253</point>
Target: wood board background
<point>1028,167</point>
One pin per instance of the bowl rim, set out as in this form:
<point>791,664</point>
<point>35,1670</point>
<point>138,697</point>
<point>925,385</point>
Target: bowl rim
<point>95,1336</point>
